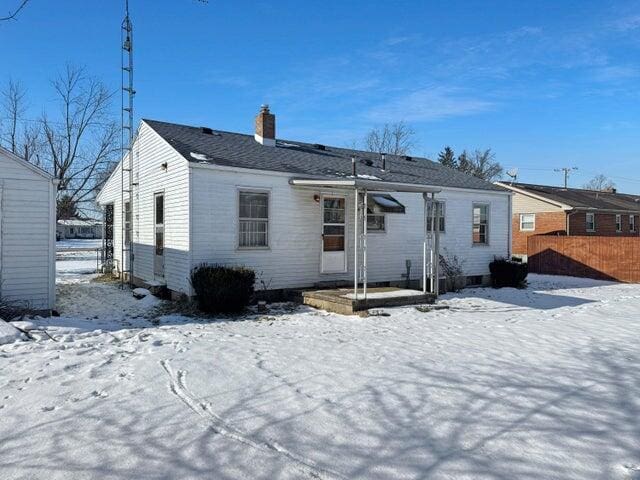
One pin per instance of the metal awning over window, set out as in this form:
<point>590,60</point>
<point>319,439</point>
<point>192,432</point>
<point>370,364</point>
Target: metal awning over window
<point>384,203</point>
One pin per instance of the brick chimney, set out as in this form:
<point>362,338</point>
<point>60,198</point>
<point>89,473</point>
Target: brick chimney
<point>265,127</point>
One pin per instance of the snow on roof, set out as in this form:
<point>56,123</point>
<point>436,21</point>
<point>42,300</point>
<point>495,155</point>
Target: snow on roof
<point>77,222</point>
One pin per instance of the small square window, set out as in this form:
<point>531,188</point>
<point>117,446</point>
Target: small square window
<point>527,222</point>
<point>375,222</point>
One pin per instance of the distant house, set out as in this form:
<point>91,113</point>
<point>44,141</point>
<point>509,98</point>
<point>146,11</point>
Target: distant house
<point>542,209</point>
<point>27,233</point>
<point>77,228</point>
<point>287,209</point>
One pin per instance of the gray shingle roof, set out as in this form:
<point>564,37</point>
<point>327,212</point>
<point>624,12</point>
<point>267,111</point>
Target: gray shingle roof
<point>304,159</point>
<point>584,199</point>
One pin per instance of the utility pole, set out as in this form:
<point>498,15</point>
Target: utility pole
<point>566,171</point>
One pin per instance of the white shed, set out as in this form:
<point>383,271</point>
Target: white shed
<point>285,209</point>
<point>27,233</point>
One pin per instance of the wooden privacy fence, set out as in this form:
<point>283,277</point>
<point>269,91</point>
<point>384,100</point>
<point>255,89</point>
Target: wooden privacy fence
<point>604,258</point>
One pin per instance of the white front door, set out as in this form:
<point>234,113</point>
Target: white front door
<point>334,255</point>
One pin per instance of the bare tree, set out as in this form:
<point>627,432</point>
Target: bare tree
<point>599,183</point>
<point>480,163</point>
<point>13,108</point>
<point>395,139</point>
<point>484,166</point>
<point>82,141</point>
<point>13,15</point>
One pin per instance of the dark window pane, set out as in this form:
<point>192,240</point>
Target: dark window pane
<point>375,223</point>
<point>159,243</point>
<point>333,230</point>
<point>159,209</point>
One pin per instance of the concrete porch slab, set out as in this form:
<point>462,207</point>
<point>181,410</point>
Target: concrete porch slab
<point>341,300</point>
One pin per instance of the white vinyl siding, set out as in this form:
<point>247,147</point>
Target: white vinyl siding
<point>527,222</point>
<point>202,224</point>
<point>150,153</point>
<point>295,228</point>
<point>27,235</point>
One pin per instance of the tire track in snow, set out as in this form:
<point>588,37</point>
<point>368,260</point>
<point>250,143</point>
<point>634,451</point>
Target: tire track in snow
<point>177,386</point>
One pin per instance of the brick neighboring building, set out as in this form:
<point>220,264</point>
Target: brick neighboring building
<point>545,210</point>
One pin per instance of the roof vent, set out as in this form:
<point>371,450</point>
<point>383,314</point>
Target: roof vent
<point>207,130</point>
<point>319,146</point>
<point>408,158</point>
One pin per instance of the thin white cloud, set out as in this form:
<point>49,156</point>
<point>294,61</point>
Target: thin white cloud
<point>429,104</point>
<point>627,23</point>
<point>615,73</point>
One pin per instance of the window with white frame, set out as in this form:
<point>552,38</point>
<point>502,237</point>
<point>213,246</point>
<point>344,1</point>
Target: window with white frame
<point>253,219</point>
<point>632,223</point>
<point>527,222</point>
<point>375,222</point>
<point>480,224</point>
<point>440,216</point>
<point>591,222</point>
<point>618,223</point>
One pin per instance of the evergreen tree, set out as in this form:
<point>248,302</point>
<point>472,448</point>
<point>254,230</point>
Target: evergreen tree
<point>447,158</point>
<point>464,163</point>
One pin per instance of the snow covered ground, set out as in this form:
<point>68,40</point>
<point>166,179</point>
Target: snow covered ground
<point>76,243</point>
<point>542,383</point>
<point>75,259</point>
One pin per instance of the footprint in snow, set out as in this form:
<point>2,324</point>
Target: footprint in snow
<point>48,408</point>
<point>99,394</point>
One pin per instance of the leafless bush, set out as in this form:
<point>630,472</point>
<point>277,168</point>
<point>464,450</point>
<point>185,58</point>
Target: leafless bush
<point>451,268</point>
<point>15,310</point>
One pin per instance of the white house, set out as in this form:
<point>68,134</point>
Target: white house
<point>27,233</point>
<point>286,209</point>
<point>78,228</point>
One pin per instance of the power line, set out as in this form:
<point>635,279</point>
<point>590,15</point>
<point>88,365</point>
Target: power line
<point>12,16</point>
<point>566,171</point>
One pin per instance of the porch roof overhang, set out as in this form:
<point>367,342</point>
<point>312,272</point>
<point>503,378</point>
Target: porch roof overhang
<point>370,185</point>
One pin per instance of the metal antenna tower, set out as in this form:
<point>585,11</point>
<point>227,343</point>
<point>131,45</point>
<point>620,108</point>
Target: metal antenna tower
<point>127,93</point>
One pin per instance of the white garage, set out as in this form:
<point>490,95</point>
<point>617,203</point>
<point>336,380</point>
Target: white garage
<point>27,233</point>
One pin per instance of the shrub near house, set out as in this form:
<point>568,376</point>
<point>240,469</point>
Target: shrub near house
<point>222,289</point>
<point>507,273</point>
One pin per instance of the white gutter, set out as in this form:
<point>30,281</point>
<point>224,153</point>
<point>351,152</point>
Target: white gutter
<point>359,183</point>
<point>564,206</point>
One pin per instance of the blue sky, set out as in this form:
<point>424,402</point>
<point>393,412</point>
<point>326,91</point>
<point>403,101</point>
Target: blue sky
<point>545,84</point>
